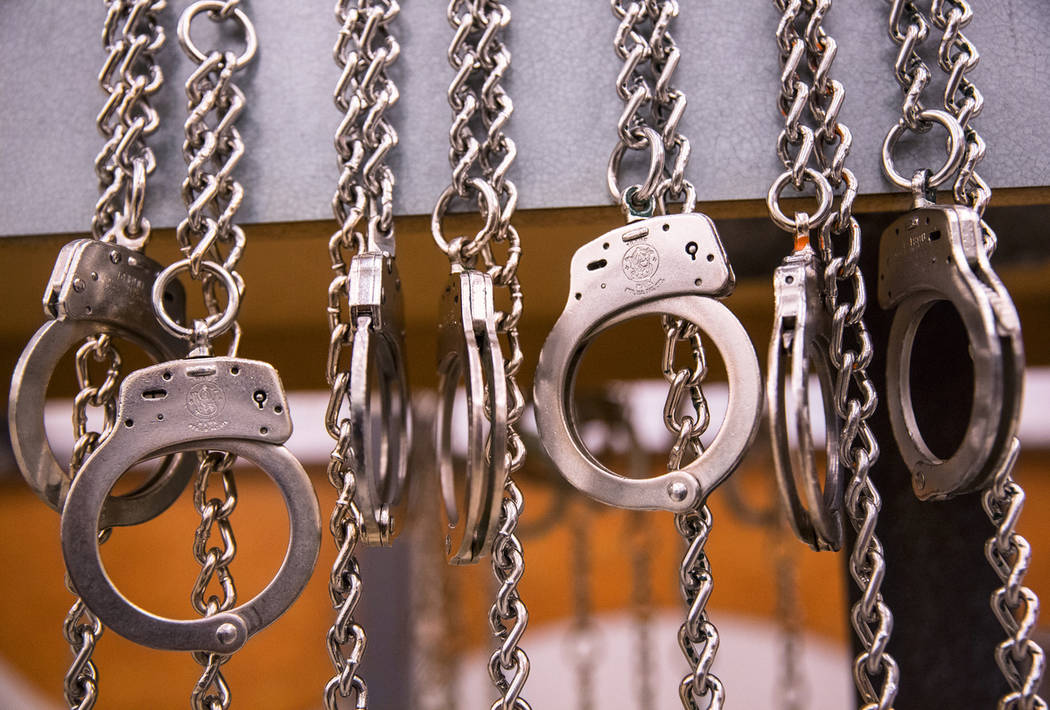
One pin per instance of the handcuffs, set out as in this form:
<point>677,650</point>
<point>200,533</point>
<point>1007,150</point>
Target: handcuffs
<point>217,403</point>
<point>95,287</point>
<point>673,265</point>
<point>934,253</point>
<point>801,338</point>
<point>469,350</point>
<point>380,434</point>
<point>200,402</point>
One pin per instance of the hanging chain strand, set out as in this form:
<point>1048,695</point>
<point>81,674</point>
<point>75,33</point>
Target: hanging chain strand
<point>362,205</point>
<point>644,43</point>
<point>1019,657</point>
<point>875,671</point>
<point>129,77</point>
<point>131,37</point>
<point>212,149</point>
<point>481,154</point>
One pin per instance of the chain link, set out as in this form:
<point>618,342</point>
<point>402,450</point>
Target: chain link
<point>653,108</point>
<point>131,37</point>
<point>1020,658</point>
<point>364,50</point>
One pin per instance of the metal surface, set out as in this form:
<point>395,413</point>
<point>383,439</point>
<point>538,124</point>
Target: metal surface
<point>932,254</point>
<point>469,351</point>
<point>801,340</point>
<point>95,288</point>
<point>649,267</point>
<point>222,404</point>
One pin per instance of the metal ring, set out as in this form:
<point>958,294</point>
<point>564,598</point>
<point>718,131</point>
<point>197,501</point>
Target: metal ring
<point>215,6</point>
<point>491,208</point>
<point>215,328</point>
<point>648,189</point>
<point>956,149</point>
<point>824,197</point>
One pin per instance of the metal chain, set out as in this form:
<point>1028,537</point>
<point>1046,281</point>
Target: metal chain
<point>364,50</point>
<point>653,108</point>
<point>212,148</point>
<point>131,37</point>
<point>1020,658</point>
<point>214,553</point>
<point>850,351</point>
<point>208,237</point>
<point>481,154</point>
<point>82,629</point>
<point>956,56</point>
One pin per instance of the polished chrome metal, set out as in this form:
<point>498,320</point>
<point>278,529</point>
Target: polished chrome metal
<point>801,341</point>
<point>218,11</point>
<point>670,265</point>
<point>469,351</point>
<point>380,420</point>
<point>955,147</point>
<point>94,288</point>
<point>930,254</point>
<point>214,403</point>
<point>215,324</point>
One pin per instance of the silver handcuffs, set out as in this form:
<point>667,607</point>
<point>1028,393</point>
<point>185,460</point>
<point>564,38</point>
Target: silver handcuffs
<point>469,350</point>
<point>208,403</point>
<point>95,287</point>
<point>801,338</point>
<point>933,253</point>
<point>673,265</point>
<point>380,417</point>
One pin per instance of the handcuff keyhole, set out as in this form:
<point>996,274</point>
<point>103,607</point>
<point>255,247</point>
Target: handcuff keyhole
<point>935,235</point>
<point>260,398</point>
<point>691,248</point>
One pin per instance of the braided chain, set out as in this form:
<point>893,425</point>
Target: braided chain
<point>363,51</point>
<point>131,37</point>
<point>481,154</point>
<point>208,236</point>
<point>653,108</point>
<point>850,351</point>
<point>1020,658</point>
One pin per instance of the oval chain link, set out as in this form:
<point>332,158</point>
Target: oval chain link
<point>363,206</point>
<point>212,245</point>
<point>481,154</point>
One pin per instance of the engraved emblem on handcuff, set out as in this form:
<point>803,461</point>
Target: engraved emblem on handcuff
<point>469,350</point>
<point>930,254</point>
<point>801,338</point>
<point>216,403</point>
<point>672,265</point>
<point>95,287</point>
<point>378,394</point>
